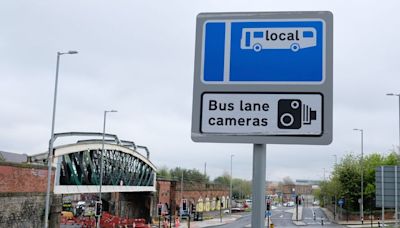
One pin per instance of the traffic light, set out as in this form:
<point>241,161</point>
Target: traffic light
<point>159,209</point>
<point>99,208</point>
<point>184,205</point>
<point>193,208</point>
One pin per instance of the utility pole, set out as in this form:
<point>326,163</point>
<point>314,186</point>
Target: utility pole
<point>180,206</point>
<point>362,175</point>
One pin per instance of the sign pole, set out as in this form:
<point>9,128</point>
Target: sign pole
<point>258,185</point>
<point>395,196</point>
<point>383,195</point>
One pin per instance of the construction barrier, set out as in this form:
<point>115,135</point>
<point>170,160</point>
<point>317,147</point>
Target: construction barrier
<point>107,221</point>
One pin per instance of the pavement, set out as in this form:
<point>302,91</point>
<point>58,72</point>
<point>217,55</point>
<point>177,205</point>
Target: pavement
<point>210,222</point>
<point>355,223</point>
<point>298,221</point>
<point>227,219</point>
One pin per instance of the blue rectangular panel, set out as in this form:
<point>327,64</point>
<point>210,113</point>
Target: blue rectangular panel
<point>247,39</point>
<point>214,52</point>
<point>265,51</point>
<point>308,34</point>
<point>289,52</point>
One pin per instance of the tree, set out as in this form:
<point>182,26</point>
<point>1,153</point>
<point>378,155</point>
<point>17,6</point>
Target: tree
<point>224,180</point>
<point>287,181</point>
<point>163,172</point>
<point>346,178</point>
<point>241,188</point>
<point>189,175</point>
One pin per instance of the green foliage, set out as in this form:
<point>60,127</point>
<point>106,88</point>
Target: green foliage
<point>163,172</point>
<point>346,179</point>
<point>224,180</point>
<point>240,188</point>
<point>189,175</point>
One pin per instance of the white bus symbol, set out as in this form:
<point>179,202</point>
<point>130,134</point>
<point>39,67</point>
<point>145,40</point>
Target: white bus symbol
<point>278,38</point>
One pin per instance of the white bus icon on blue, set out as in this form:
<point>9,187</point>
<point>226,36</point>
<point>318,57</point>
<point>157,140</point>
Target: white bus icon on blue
<point>295,38</point>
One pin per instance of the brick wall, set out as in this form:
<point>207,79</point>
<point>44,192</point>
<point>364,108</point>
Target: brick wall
<point>23,178</point>
<point>170,191</point>
<point>22,196</point>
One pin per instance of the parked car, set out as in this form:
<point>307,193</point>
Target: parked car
<point>288,204</point>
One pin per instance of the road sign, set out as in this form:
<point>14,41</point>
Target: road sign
<point>263,78</point>
<point>341,202</point>
<point>389,186</point>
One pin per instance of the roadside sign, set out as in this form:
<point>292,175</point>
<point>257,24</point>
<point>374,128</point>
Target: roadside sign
<point>263,78</point>
<point>341,202</point>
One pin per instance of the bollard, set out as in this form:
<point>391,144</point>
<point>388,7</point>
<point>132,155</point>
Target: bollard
<point>322,221</point>
<point>272,225</point>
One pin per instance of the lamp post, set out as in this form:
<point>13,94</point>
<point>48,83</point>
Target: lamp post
<point>51,143</point>
<point>334,213</point>
<point>398,95</point>
<point>396,206</point>
<point>362,175</point>
<point>101,158</point>
<point>230,189</point>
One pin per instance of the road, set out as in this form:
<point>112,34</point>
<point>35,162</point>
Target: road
<point>282,217</point>
<point>308,217</point>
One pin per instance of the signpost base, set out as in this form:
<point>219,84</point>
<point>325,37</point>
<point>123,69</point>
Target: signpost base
<point>258,185</point>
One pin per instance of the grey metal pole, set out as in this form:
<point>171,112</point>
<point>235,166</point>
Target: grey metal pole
<point>51,142</point>
<point>258,185</point>
<point>335,211</point>
<point>395,197</point>
<point>101,161</point>
<point>362,176</point>
<point>383,196</point>
<point>230,190</point>
<point>181,206</point>
<point>398,95</point>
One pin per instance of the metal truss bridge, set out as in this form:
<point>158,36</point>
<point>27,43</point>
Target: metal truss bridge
<point>78,165</point>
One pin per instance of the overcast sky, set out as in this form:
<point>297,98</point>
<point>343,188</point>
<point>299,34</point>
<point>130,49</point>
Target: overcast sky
<point>137,57</point>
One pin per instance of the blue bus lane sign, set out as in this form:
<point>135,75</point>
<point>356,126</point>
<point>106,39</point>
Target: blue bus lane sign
<point>263,78</point>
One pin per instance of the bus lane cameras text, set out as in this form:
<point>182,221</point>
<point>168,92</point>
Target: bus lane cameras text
<point>243,106</point>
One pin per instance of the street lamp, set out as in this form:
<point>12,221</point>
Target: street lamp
<point>51,143</point>
<point>362,175</point>
<point>230,189</point>
<point>398,95</point>
<point>101,157</point>
<point>334,213</point>
<point>396,206</point>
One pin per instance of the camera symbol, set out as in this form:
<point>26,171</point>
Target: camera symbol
<point>292,114</point>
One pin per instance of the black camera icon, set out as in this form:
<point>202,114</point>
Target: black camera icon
<point>292,114</point>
